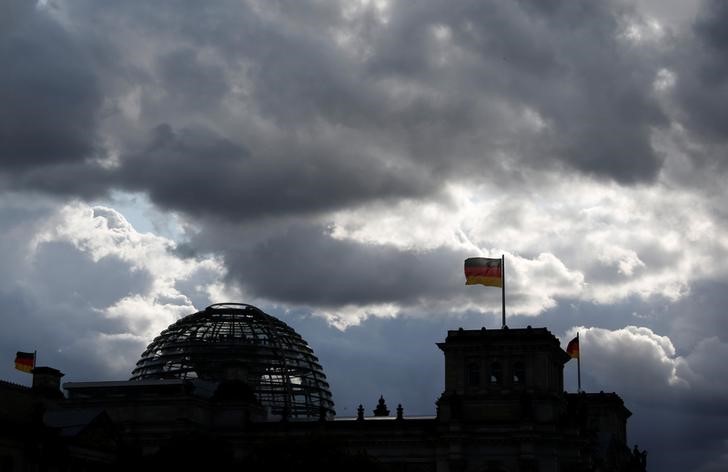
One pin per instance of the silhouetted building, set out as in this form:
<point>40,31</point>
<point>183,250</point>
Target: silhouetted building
<point>232,387</point>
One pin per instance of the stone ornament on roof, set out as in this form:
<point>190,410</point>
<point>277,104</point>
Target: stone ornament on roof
<point>381,409</point>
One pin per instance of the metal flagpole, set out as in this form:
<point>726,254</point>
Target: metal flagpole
<point>35,358</point>
<point>503,287</point>
<point>578,365</point>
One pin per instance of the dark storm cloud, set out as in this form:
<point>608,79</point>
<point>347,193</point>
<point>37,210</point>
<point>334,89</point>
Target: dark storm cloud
<point>390,122</point>
<point>49,92</point>
<point>701,314</point>
<point>565,60</point>
<point>702,82</point>
<point>204,174</point>
<point>86,179</point>
<point>385,88</point>
<point>304,264</point>
<point>195,83</point>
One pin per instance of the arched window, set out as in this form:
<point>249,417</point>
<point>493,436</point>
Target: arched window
<point>519,373</point>
<point>473,372</point>
<point>496,373</point>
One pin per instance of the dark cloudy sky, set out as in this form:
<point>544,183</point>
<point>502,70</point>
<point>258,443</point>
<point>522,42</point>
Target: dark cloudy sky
<point>333,162</point>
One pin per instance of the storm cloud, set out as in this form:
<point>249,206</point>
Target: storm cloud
<point>49,90</point>
<point>357,101</point>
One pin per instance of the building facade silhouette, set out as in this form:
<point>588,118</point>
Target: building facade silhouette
<point>232,388</point>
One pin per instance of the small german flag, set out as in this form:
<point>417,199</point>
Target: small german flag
<point>572,349</point>
<point>484,271</point>
<point>25,361</point>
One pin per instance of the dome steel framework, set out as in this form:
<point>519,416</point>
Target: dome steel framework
<point>235,341</point>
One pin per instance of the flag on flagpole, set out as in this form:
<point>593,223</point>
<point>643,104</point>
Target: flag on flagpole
<point>25,361</point>
<point>572,349</point>
<point>484,271</point>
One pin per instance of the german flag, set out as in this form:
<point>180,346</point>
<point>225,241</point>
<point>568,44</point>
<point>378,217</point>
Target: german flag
<point>25,361</point>
<point>484,271</point>
<point>572,349</point>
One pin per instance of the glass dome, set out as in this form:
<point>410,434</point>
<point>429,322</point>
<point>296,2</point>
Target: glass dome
<point>232,341</point>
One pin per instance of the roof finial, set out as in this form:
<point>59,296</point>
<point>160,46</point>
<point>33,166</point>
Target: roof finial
<point>381,409</point>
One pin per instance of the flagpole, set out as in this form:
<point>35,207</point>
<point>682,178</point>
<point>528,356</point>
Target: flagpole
<point>578,365</point>
<point>503,287</point>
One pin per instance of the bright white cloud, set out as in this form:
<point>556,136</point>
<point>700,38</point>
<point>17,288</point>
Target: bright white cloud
<point>159,287</point>
<point>645,366</point>
<point>593,241</point>
<point>634,361</point>
<point>102,232</point>
<point>353,315</point>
